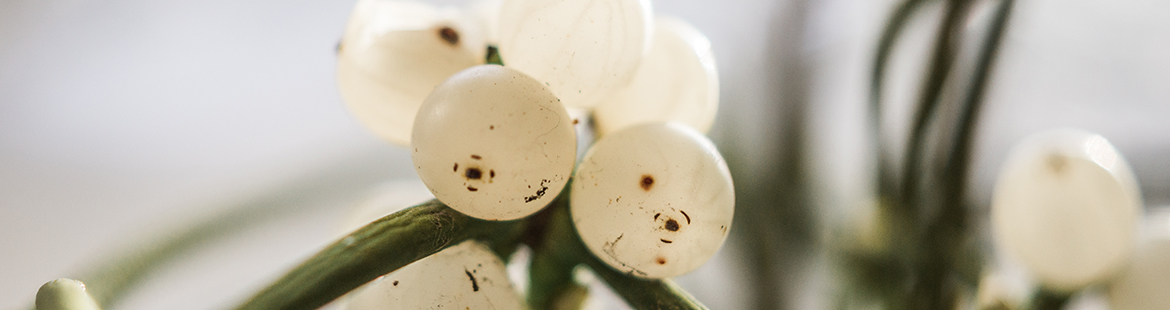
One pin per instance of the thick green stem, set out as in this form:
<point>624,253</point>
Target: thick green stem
<point>638,293</point>
<point>551,284</point>
<point>110,279</point>
<point>897,22</point>
<point>1044,299</point>
<point>374,250</point>
<point>643,293</point>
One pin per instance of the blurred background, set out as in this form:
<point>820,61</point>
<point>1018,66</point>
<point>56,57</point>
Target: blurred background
<point>120,119</point>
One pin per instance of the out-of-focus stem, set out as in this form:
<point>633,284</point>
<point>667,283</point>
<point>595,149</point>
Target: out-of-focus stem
<point>1044,299</point>
<point>570,251</point>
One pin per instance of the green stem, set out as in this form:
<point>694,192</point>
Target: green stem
<point>551,284</point>
<point>111,279</point>
<point>935,285</point>
<point>374,250</point>
<point>1044,299</point>
<point>942,61</point>
<point>493,56</point>
<point>637,292</point>
<point>898,21</point>
<point>644,293</point>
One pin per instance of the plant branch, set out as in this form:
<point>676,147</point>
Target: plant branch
<point>898,21</point>
<point>112,278</point>
<point>375,250</point>
<point>942,61</point>
<point>570,251</point>
<point>643,293</point>
<point>1047,300</point>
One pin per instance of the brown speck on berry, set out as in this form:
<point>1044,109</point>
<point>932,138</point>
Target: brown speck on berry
<point>647,182</point>
<point>671,225</point>
<point>449,35</point>
<point>473,174</point>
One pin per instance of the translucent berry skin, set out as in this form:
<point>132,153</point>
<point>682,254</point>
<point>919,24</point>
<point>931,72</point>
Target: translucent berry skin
<point>676,82</point>
<point>653,200</point>
<point>584,51</point>
<point>494,143</point>
<point>1145,280</point>
<point>1067,206</point>
<point>464,276</point>
<point>393,53</point>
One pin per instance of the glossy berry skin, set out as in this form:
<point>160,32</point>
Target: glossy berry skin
<point>676,82</point>
<point>493,143</point>
<point>1143,283</point>
<point>653,200</point>
<point>1067,206</point>
<point>464,276</point>
<point>584,51</point>
<point>391,56</point>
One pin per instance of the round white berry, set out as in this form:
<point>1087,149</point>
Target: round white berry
<point>654,200</point>
<point>584,51</point>
<point>464,276</point>
<point>391,56</point>
<point>1066,205</point>
<point>494,143</point>
<point>676,82</point>
<point>1144,282</point>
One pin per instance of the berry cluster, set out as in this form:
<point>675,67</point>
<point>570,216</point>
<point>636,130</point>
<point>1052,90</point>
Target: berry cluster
<point>485,99</point>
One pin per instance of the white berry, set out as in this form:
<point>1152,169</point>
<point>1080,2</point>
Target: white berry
<point>654,200</point>
<point>391,56</point>
<point>584,51</point>
<point>1066,205</point>
<point>464,276</point>
<point>494,143</point>
<point>676,82</point>
<point>1144,283</point>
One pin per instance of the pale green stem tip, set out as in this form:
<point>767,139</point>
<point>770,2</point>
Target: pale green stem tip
<point>65,294</point>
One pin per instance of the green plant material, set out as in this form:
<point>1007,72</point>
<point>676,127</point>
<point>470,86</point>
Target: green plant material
<point>374,250</point>
<point>1044,299</point>
<point>64,294</point>
<point>638,293</point>
<point>419,231</point>
<point>644,293</point>
<point>942,61</point>
<point>110,279</point>
<point>493,56</point>
<point>934,236</point>
<point>775,223</point>
<point>551,283</point>
<point>953,187</point>
<point>890,34</point>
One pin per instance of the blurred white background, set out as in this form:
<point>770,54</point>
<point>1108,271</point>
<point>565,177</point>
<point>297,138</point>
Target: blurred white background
<point>119,118</point>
